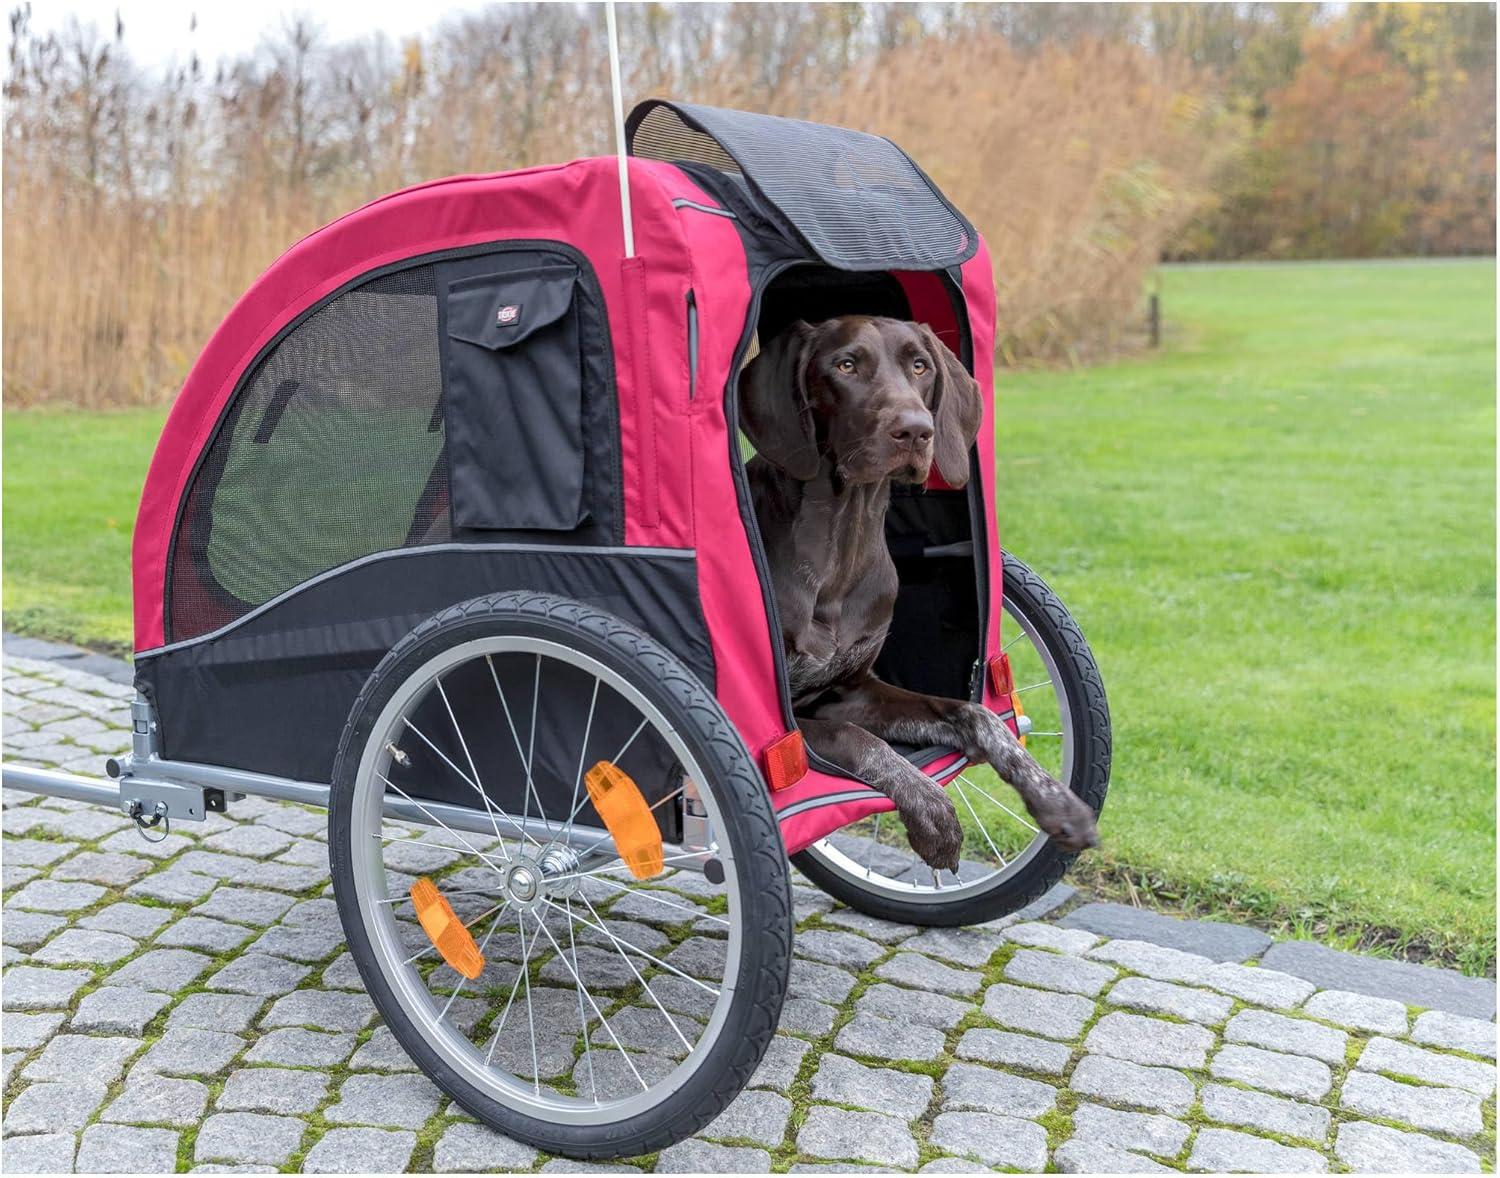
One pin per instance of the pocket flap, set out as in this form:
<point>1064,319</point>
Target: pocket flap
<point>498,310</point>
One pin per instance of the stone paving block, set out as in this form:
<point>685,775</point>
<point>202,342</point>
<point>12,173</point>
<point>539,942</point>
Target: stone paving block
<point>124,1149</point>
<point>885,931</point>
<point>127,919</point>
<point>402,1102</point>
<point>1094,1157</point>
<point>1296,1036</point>
<point>123,1010</point>
<point>215,1012</point>
<point>57,1107</point>
<point>198,932</point>
<point>972,947</point>
<point>996,1141</point>
<point>168,970</point>
<point>129,841</point>
<point>1290,1075</point>
<point>82,1057</point>
<point>248,1137</point>
<point>1263,987</point>
<point>702,1157</point>
<point>1441,1110</point>
<point>954,1166</point>
<point>837,1134</point>
<point>1438,1028</point>
<point>40,1153</point>
<point>1054,971</point>
<point>190,1051</point>
<point>1226,1151</point>
<point>381,1053</point>
<point>25,1031</point>
<point>315,944</point>
<point>1140,1132</point>
<point>1155,961</point>
<point>342,974</point>
<point>28,930</point>
<point>803,1016</point>
<point>46,895</point>
<point>837,948</point>
<point>1149,1041</point>
<point>36,852</point>
<point>259,974</point>
<point>1431,1067</point>
<point>272,1090</point>
<point>1217,942</point>
<point>292,819</point>
<point>245,906</point>
<point>826,983</point>
<point>9,1062</point>
<point>30,988</point>
<point>923,973</point>
<point>934,1010</point>
<point>843,1081</point>
<point>569,1166</point>
<point>12,877</point>
<point>971,1087</point>
<point>466,1148</point>
<point>1239,1106</point>
<point>1416,985</point>
<point>1121,1082</point>
<point>249,839</point>
<point>1358,1011</point>
<point>174,885</point>
<point>883,1038</point>
<point>1058,1016</point>
<point>782,1062</point>
<point>151,1099</point>
<point>306,853</point>
<point>300,1048</point>
<point>1037,935</point>
<point>1019,1051</point>
<point>1188,1002</point>
<point>102,867</point>
<point>760,1117</point>
<point>360,1151</point>
<point>77,946</point>
<point>1378,1149</point>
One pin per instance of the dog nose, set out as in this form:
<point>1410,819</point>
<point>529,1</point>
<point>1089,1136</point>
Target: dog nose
<point>913,428</point>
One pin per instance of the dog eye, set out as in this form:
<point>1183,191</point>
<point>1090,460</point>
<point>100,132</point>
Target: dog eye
<point>846,365</point>
<point>919,365</point>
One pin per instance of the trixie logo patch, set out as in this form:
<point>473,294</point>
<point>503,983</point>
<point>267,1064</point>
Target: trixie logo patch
<point>508,315</point>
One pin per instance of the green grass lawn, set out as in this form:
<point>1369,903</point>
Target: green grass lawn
<point>1278,534</point>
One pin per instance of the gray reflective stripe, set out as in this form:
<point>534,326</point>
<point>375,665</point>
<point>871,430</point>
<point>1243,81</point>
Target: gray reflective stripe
<point>681,203</point>
<point>856,795</point>
<point>417,550</point>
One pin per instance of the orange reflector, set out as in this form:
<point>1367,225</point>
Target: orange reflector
<point>786,761</point>
<point>1001,679</point>
<point>626,816</point>
<point>445,930</point>
<point>1015,703</point>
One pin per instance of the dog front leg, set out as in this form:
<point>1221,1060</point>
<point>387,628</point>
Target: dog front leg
<point>931,822</point>
<point>897,714</point>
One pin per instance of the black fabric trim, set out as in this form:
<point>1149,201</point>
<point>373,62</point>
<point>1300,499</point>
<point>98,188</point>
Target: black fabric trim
<point>271,693</point>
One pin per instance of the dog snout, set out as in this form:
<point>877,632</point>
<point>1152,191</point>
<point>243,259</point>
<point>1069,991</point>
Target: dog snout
<point>912,428</point>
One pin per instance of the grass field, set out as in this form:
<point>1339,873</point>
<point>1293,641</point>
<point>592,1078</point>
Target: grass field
<point>1278,534</point>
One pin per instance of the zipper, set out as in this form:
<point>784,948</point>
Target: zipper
<point>692,330</point>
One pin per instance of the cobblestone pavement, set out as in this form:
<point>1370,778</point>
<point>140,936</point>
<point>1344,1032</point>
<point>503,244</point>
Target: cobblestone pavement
<point>189,1005</point>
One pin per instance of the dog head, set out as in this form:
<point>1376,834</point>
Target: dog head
<point>876,398</point>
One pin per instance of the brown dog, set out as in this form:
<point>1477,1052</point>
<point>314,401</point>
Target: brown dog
<point>837,412</point>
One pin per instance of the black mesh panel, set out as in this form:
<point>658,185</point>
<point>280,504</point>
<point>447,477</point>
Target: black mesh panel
<point>856,200</point>
<point>333,450</point>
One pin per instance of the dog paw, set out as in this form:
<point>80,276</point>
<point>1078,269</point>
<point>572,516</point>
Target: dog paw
<point>1068,821</point>
<point>932,827</point>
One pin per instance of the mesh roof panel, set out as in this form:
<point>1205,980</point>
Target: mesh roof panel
<point>856,200</point>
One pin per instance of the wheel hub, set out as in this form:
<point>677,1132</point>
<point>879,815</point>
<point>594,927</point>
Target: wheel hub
<point>534,878</point>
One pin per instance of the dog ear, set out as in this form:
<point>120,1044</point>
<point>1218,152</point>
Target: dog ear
<point>957,411</point>
<point>774,411</point>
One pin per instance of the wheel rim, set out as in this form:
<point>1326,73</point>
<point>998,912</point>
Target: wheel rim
<point>588,1010</point>
<point>1000,839</point>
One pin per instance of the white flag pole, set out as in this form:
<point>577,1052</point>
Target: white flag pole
<point>614,83</point>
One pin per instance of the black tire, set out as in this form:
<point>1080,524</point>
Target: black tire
<point>754,839</point>
<point>1029,596</point>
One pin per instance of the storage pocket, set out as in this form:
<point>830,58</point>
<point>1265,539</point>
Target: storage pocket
<point>513,388</point>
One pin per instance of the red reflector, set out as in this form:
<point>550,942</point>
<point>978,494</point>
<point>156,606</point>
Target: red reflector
<point>786,761</point>
<point>1000,677</point>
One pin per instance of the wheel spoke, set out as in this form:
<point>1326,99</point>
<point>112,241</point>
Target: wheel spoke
<point>645,985</point>
<point>536,1067</point>
<point>1032,687</point>
<point>583,749</point>
<point>583,1023</point>
<point>468,756</point>
<point>485,859</point>
<point>515,987</point>
<point>634,948</point>
<point>516,736</point>
<point>652,895</point>
<point>524,833</point>
<point>999,803</point>
<point>982,828</point>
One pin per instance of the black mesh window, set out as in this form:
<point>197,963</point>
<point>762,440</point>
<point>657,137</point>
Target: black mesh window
<point>334,449</point>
